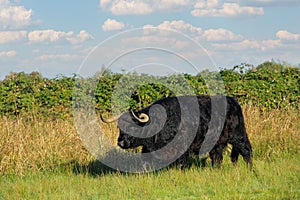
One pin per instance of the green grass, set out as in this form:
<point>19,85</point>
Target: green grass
<point>277,179</point>
<point>42,159</point>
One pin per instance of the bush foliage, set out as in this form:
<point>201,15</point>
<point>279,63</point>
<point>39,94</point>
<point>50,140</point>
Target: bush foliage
<point>268,86</point>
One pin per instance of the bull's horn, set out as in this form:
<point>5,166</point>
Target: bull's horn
<point>143,118</point>
<point>109,120</point>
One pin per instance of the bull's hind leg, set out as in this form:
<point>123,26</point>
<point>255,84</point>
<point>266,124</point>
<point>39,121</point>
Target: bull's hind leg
<point>234,155</point>
<point>216,155</point>
<point>246,152</point>
<point>244,148</point>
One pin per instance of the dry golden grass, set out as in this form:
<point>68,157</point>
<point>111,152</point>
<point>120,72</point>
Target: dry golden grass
<point>272,132</point>
<point>37,145</point>
<point>42,144</point>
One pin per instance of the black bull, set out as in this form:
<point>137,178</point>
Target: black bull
<point>190,120</point>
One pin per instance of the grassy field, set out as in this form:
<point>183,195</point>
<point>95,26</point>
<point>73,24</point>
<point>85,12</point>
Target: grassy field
<point>42,159</point>
<point>270,180</point>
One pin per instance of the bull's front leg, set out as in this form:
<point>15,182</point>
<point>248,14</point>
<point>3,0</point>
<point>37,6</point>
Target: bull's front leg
<point>182,161</point>
<point>147,159</point>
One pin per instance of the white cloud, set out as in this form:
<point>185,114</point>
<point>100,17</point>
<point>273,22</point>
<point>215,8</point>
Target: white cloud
<point>220,35</point>
<point>53,36</point>
<point>105,3</point>
<point>269,44</point>
<point>246,44</point>
<point>81,37</point>
<point>130,8</point>
<point>180,25</point>
<point>197,32</point>
<point>171,4</point>
<point>48,35</point>
<point>177,25</point>
<point>65,57</point>
<point>12,36</point>
<point>14,17</point>
<point>143,7</point>
<point>269,3</point>
<point>213,8</point>
<point>4,3</point>
<point>285,35</point>
<point>206,4</point>
<point>158,39</point>
<point>112,25</point>
<point>8,53</point>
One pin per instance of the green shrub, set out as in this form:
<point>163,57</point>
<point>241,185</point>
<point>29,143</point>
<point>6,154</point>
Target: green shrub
<point>269,86</point>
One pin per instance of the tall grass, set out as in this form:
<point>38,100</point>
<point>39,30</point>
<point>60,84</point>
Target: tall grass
<point>38,144</point>
<point>44,159</point>
<point>273,132</point>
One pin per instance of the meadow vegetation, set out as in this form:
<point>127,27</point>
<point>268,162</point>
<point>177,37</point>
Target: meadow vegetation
<point>42,156</point>
<point>268,86</point>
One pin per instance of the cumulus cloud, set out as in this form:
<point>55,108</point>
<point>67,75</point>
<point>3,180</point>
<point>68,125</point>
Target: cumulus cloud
<point>172,5</point>
<point>285,35</point>
<point>12,36</point>
<point>246,44</point>
<point>112,25</point>
<point>53,36</point>
<point>48,35</point>
<point>178,25</point>
<point>8,53</point>
<point>105,3</point>
<point>130,7</point>
<point>81,37</point>
<point>4,3</point>
<point>142,7</point>
<point>214,8</point>
<point>14,17</point>
<point>269,3</point>
<point>221,35</point>
<point>65,57</point>
<point>197,32</point>
<point>206,4</point>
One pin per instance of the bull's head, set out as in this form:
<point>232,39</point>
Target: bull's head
<point>127,123</point>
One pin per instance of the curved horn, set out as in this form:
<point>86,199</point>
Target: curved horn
<point>143,118</point>
<point>110,120</point>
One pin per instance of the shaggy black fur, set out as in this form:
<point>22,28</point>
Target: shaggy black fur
<point>215,114</point>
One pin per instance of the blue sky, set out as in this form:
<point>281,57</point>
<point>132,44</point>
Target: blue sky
<point>55,37</point>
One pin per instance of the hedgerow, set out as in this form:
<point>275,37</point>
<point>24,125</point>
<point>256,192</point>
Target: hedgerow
<point>268,86</point>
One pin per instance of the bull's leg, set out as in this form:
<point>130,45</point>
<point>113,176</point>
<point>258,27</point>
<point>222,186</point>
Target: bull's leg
<point>201,159</point>
<point>234,155</point>
<point>244,148</point>
<point>216,155</point>
<point>182,161</point>
<point>246,152</point>
<point>147,159</point>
